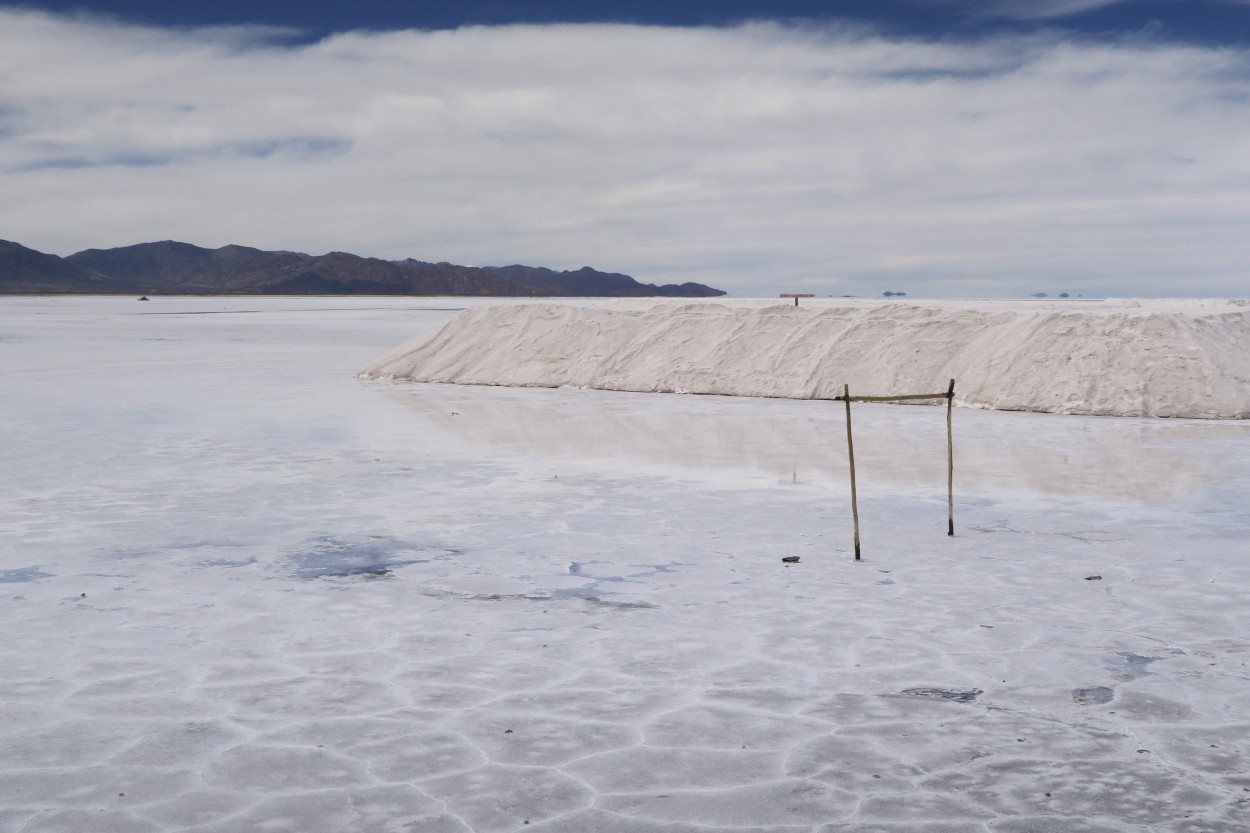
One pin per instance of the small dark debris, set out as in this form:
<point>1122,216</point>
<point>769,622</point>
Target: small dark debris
<point>1093,578</point>
<point>144,298</point>
<point>507,731</point>
<point>82,595</point>
<point>791,559</point>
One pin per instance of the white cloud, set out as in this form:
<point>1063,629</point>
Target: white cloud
<point>1041,9</point>
<point>758,159</point>
<point>1037,10</point>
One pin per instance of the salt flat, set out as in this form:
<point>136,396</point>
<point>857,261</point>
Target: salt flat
<point>243,590</point>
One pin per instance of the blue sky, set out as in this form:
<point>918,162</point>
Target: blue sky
<point>1209,21</point>
<point>936,147</point>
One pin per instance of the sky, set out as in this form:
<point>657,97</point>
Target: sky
<point>941,148</point>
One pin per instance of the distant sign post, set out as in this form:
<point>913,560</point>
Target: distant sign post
<point>796,296</point>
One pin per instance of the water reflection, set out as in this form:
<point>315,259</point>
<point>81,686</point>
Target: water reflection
<point>804,442</point>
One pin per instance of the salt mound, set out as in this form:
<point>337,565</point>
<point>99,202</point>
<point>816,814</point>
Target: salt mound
<point>1123,358</point>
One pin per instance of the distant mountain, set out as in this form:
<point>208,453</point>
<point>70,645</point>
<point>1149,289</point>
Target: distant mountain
<point>587,281</point>
<point>26,270</point>
<point>182,268</point>
<point>169,267</point>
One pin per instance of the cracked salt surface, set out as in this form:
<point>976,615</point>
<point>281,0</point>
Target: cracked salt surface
<point>248,592</point>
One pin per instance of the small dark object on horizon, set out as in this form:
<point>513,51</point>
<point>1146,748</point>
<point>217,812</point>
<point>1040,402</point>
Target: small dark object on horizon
<point>791,559</point>
<point>144,298</point>
<point>1093,578</point>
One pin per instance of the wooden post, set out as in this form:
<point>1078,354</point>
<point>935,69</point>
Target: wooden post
<point>950,462</point>
<point>850,454</point>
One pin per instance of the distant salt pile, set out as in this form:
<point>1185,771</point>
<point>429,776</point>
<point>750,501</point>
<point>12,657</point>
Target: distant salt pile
<point>1117,358</point>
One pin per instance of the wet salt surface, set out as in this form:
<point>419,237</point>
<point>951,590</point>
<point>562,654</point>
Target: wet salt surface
<point>244,591</point>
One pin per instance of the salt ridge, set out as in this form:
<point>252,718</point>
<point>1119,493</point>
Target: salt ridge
<point>1153,358</point>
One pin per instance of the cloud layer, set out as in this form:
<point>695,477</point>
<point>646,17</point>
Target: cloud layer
<point>761,158</point>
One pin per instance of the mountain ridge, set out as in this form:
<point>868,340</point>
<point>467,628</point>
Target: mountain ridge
<point>172,267</point>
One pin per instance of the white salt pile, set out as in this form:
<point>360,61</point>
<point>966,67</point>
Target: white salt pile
<point>1175,358</point>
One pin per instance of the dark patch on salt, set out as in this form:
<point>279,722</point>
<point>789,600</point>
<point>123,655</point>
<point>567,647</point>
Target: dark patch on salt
<point>956,695</point>
<point>1129,666</point>
<point>226,562</point>
<point>578,568</point>
<point>589,595</point>
<point>1094,695</point>
<point>22,574</point>
<point>372,558</point>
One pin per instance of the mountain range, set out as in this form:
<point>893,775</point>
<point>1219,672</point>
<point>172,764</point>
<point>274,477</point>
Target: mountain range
<point>171,268</point>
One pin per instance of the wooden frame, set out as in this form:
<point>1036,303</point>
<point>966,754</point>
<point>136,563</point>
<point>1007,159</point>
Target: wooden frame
<point>949,396</point>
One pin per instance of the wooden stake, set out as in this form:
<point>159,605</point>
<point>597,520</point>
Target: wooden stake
<point>850,454</point>
<point>950,462</point>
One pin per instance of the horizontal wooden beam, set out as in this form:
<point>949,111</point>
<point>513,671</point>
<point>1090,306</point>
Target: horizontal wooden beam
<point>893,398</point>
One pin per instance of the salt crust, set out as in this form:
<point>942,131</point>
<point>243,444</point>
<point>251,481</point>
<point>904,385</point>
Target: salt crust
<point>1156,358</point>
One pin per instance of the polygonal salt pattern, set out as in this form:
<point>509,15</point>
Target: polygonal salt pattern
<point>533,740</point>
<point>255,768</point>
<point>644,768</point>
<point>496,797</point>
<point>413,757</point>
<point>1138,792</point>
<point>793,802</point>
